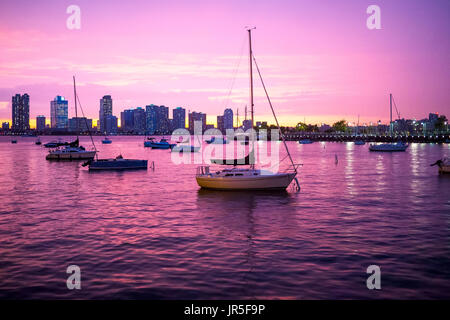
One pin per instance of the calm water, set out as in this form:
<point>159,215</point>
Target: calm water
<point>156,235</point>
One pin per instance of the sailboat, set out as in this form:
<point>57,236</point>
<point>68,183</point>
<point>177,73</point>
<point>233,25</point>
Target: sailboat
<point>73,151</point>
<point>248,178</point>
<point>389,147</point>
<point>359,141</point>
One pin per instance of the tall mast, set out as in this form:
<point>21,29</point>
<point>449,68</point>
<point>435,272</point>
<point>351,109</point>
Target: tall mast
<point>251,74</point>
<point>75,97</point>
<point>390,105</point>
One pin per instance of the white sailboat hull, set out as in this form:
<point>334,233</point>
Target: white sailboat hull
<point>84,155</point>
<point>262,182</point>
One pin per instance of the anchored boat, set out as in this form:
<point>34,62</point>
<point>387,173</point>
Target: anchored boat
<point>106,141</point>
<point>184,148</point>
<point>162,144</point>
<point>305,141</point>
<point>390,147</point>
<point>119,163</point>
<point>217,140</point>
<point>73,151</point>
<point>247,178</point>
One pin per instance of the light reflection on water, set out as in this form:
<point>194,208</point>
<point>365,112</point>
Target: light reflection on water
<point>155,234</point>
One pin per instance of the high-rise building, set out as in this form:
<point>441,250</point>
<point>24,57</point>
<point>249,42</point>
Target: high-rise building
<point>40,123</point>
<point>163,120</point>
<point>247,124</point>
<point>220,124</point>
<point>157,119</point>
<point>111,124</point>
<point>228,119</point>
<point>106,107</point>
<point>197,116</point>
<point>59,114</point>
<point>139,121</point>
<point>20,112</point>
<point>179,118</point>
<point>80,124</point>
<point>432,117</point>
<point>127,120</point>
<point>151,117</point>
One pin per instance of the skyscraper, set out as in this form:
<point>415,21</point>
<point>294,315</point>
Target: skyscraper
<point>59,114</point>
<point>139,121</point>
<point>111,124</point>
<point>179,118</point>
<point>163,120</point>
<point>40,123</point>
<point>228,119</point>
<point>157,119</point>
<point>220,124</point>
<point>105,110</point>
<point>127,120</point>
<point>20,112</point>
<point>151,117</point>
<point>197,116</point>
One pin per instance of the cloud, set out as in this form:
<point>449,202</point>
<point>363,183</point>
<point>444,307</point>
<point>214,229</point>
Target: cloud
<point>4,105</point>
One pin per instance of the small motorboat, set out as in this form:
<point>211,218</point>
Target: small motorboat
<point>119,163</point>
<point>184,148</point>
<point>38,142</point>
<point>216,140</point>
<point>14,141</point>
<point>106,141</point>
<point>443,165</point>
<point>360,142</point>
<point>305,141</point>
<point>162,144</point>
<point>389,147</point>
<point>149,142</point>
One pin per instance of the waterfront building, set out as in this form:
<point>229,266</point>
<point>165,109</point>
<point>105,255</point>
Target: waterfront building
<point>20,112</point>
<point>157,119</point>
<point>5,126</point>
<point>197,116</point>
<point>59,113</point>
<point>40,123</point>
<point>139,119</point>
<point>106,109</point>
<point>127,120</point>
<point>247,124</point>
<point>228,119</point>
<point>80,124</point>
<point>179,118</point>
<point>111,124</point>
<point>220,125</point>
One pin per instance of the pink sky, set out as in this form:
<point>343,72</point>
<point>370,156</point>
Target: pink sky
<point>319,60</point>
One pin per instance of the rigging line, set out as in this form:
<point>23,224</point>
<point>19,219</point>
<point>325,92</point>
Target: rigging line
<point>274,115</point>
<point>85,120</point>
<point>395,105</point>
<point>233,80</point>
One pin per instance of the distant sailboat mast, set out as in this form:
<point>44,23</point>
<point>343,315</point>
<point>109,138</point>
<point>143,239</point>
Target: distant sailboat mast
<point>76,112</point>
<point>390,123</point>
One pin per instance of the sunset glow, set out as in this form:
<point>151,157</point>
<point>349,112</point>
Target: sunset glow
<point>319,60</point>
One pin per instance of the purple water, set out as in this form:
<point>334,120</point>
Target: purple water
<point>156,235</point>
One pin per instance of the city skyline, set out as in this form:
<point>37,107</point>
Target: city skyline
<point>321,61</point>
